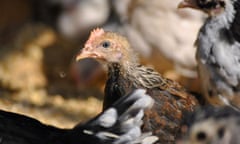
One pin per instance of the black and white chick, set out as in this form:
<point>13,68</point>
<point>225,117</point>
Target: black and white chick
<point>120,124</point>
<point>211,125</point>
<point>218,50</point>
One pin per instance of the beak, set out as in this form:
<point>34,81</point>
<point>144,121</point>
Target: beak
<point>87,54</point>
<point>188,4</point>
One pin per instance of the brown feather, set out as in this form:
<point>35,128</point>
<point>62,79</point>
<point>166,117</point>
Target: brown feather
<point>149,78</point>
<point>125,74</point>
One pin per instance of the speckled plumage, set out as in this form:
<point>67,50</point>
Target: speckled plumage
<point>125,74</point>
<point>218,51</point>
<point>171,100</point>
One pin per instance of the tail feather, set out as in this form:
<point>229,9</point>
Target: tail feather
<point>120,124</point>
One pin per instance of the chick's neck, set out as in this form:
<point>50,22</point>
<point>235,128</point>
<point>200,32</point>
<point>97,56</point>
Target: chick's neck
<point>224,26</point>
<point>117,85</point>
<point>125,69</point>
<point>226,18</point>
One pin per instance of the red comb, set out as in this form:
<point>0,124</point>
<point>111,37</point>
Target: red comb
<point>94,34</point>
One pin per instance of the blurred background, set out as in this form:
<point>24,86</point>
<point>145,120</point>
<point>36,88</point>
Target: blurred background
<point>39,39</point>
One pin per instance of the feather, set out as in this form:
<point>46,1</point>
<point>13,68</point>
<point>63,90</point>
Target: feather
<point>120,124</point>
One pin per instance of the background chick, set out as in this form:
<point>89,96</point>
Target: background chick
<point>218,50</point>
<point>78,17</point>
<point>160,32</point>
<point>211,125</point>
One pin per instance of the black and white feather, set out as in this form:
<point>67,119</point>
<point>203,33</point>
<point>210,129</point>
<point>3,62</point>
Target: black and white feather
<point>120,124</point>
<point>218,52</point>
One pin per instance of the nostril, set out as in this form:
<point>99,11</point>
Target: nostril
<point>87,48</point>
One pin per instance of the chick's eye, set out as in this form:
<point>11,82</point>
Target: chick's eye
<point>201,136</point>
<point>106,44</point>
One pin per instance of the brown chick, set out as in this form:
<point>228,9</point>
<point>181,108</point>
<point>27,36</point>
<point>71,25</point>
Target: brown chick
<point>125,73</point>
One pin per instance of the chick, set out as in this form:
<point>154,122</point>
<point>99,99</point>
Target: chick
<point>211,125</point>
<point>218,50</point>
<point>125,74</point>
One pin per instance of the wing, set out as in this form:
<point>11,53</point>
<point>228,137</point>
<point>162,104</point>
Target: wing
<point>171,101</point>
<point>120,124</point>
<point>164,118</point>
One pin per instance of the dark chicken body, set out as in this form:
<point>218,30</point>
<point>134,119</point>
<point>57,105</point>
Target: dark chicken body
<point>116,85</point>
<point>125,74</point>
<point>120,124</point>
<point>19,129</point>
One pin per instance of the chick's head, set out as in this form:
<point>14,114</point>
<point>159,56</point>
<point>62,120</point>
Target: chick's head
<point>107,47</point>
<point>211,7</point>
